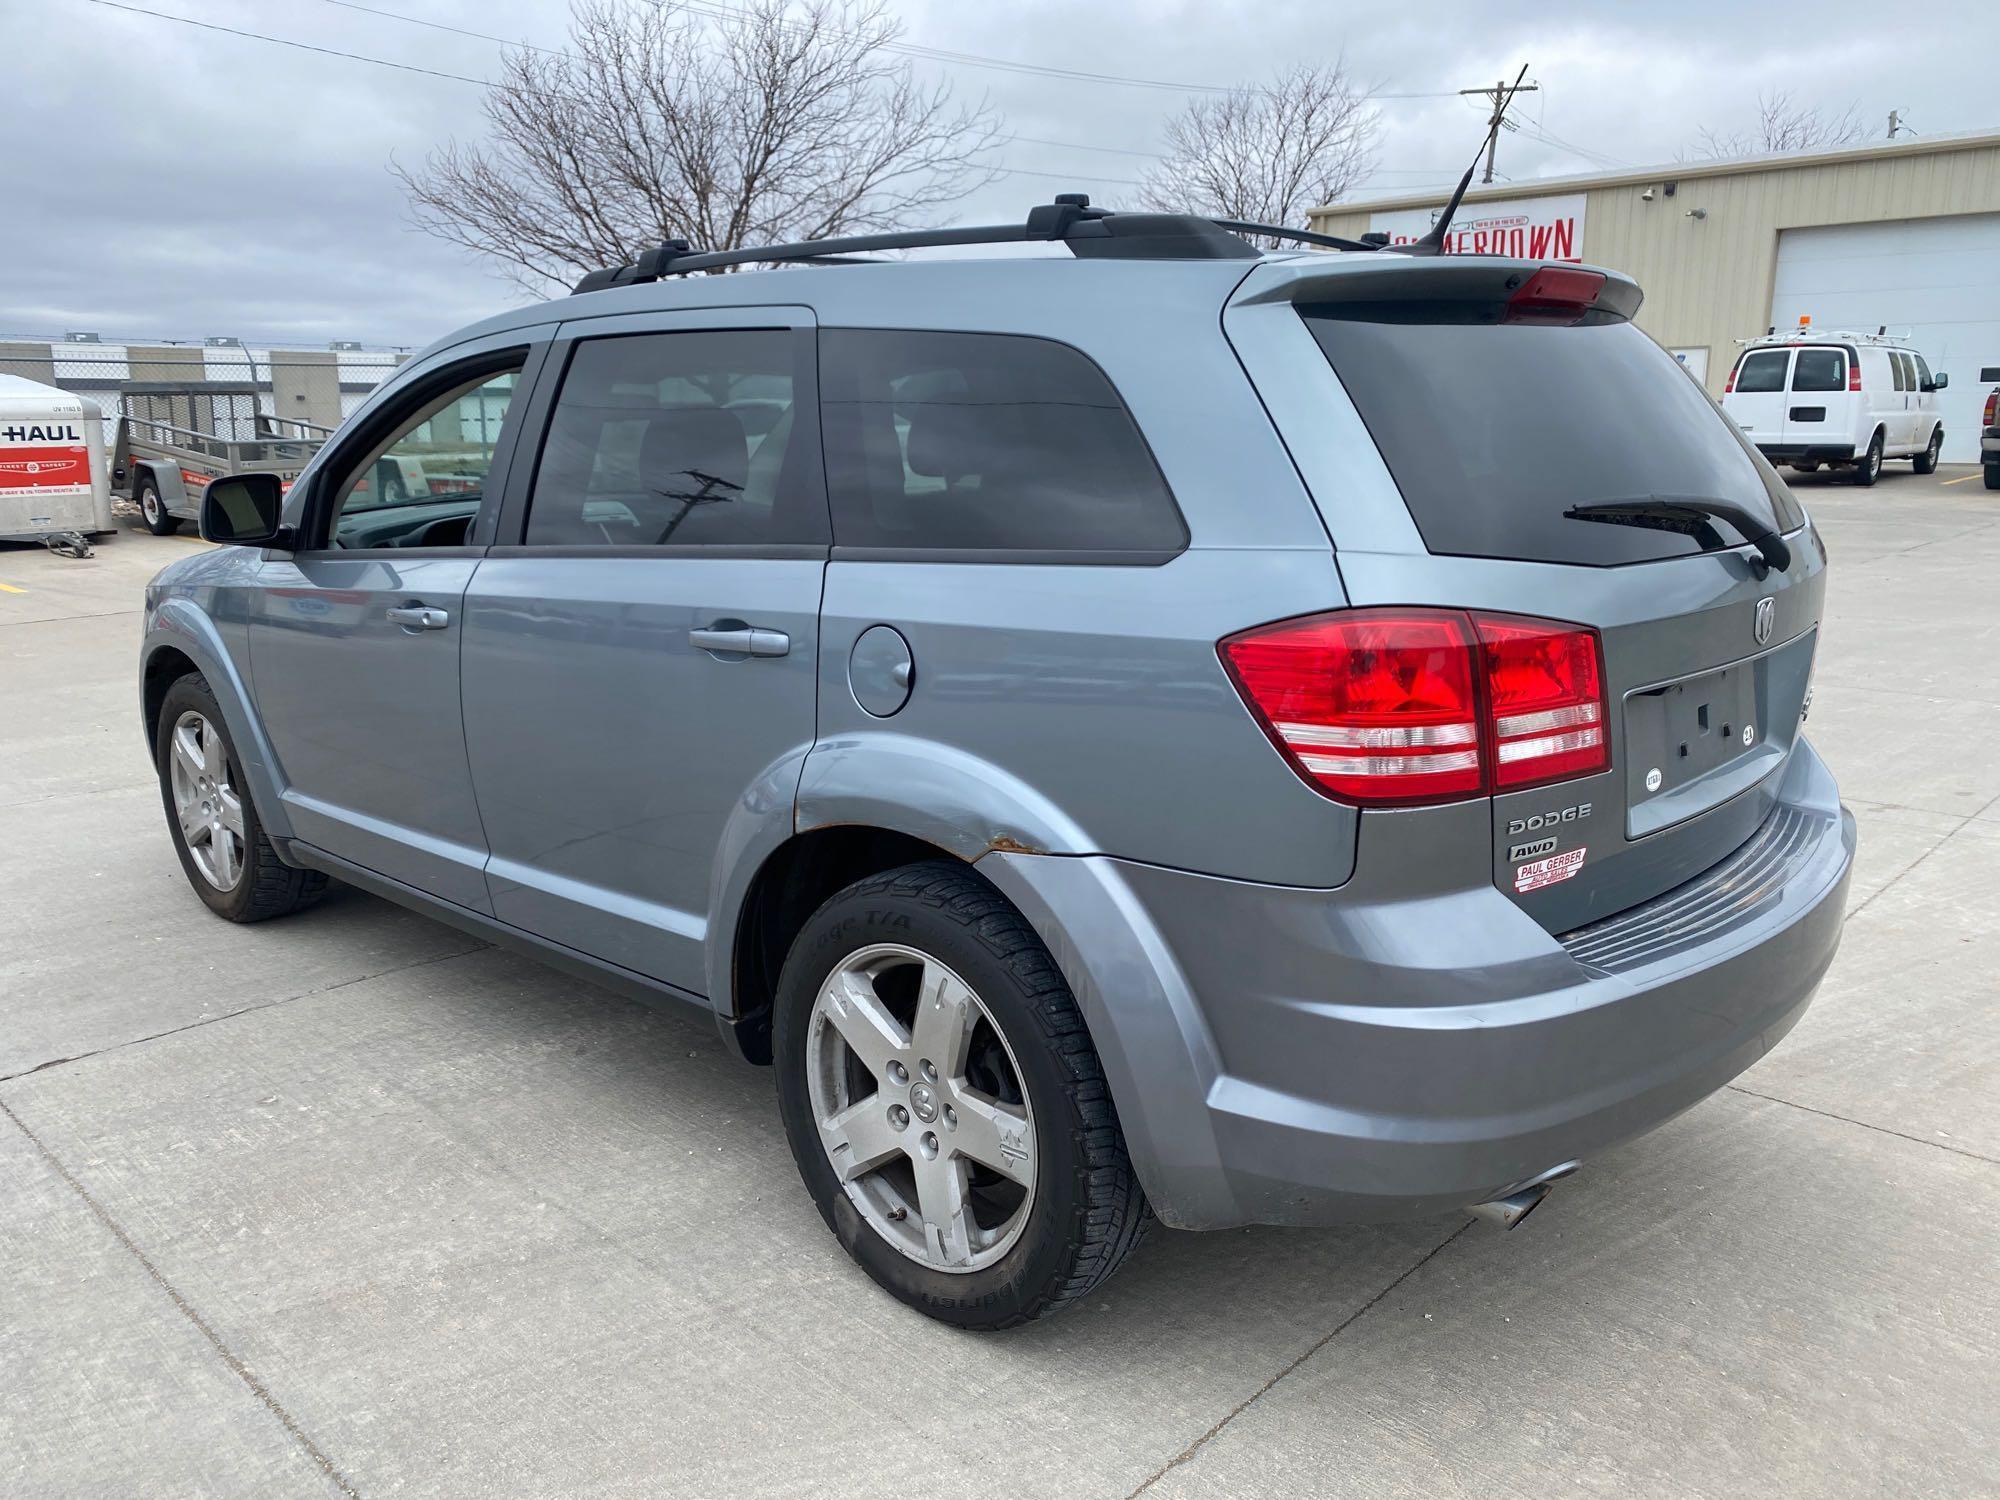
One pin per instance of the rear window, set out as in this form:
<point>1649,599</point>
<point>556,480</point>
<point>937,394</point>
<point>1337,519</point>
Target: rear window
<point>1494,431</point>
<point>1762,372</point>
<point>981,442</point>
<point>1820,370</point>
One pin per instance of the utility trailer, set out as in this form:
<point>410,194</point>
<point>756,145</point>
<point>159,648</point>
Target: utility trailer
<point>52,481</point>
<point>174,441</point>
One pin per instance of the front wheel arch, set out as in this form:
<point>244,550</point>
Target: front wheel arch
<point>164,668</point>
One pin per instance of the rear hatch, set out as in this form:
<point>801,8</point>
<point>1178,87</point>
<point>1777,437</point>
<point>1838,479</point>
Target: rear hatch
<point>1558,464</point>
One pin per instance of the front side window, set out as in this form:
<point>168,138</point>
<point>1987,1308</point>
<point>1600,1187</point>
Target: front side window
<point>677,439</point>
<point>422,486</point>
<point>984,442</point>
<point>1923,373</point>
<point>1820,370</point>
<point>1764,371</point>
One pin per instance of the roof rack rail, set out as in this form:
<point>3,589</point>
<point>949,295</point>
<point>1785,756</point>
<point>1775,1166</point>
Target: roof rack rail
<point>1088,232</point>
<point>1299,236</point>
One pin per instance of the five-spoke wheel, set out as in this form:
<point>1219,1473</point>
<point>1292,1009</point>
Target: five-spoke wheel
<point>944,1102</point>
<point>209,808</point>
<point>920,1108</point>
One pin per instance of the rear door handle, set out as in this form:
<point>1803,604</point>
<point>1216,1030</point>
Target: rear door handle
<point>741,641</point>
<point>419,617</point>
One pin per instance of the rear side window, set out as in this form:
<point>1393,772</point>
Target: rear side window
<point>1902,370</point>
<point>1820,370</point>
<point>987,443</point>
<point>677,439</point>
<point>1495,431</point>
<point>1763,371</point>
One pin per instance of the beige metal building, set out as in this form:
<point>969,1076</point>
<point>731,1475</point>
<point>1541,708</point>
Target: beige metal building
<point>1900,233</point>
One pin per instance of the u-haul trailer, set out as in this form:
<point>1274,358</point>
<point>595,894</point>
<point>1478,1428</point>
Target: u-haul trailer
<point>52,470</point>
<point>175,440</point>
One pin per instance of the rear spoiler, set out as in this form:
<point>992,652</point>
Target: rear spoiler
<point>1468,280</point>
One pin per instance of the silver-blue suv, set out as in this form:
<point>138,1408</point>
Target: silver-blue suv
<point>1164,730</point>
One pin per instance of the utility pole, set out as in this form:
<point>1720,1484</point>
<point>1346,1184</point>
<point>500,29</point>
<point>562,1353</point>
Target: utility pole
<point>1895,119</point>
<point>1499,95</point>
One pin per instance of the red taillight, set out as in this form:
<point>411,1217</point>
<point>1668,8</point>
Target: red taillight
<point>1545,693</point>
<point>1992,417</point>
<point>1854,374</point>
<point>1730,384</point>
<point>1555,294</point>
<point>1395,707</point>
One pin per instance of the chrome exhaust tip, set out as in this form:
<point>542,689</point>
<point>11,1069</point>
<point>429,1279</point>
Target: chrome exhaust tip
<point>1512,1209</point>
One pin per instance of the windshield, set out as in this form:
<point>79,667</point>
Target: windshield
<point>1495,431</point>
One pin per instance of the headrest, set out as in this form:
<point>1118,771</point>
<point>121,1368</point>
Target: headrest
<point>941,440</point>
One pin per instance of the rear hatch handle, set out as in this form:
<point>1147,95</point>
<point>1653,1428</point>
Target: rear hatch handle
<point>1690,517</point>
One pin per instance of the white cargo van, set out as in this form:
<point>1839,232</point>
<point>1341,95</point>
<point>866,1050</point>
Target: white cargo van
<point>52,462</point>
<point>1810,396</point>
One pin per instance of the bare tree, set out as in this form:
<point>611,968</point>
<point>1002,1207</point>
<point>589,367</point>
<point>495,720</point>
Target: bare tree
<point>776,124</point>
<point>1783,124</point>
<point>1268,152</point>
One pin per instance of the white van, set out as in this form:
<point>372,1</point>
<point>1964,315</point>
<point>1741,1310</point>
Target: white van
<point>1808,397</point>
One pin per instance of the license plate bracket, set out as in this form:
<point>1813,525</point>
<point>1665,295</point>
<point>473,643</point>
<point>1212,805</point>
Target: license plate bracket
<point>1681,733</point>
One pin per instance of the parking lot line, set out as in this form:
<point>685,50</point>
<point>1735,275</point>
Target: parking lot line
<point>1961,479</point>
<point>10,589</point>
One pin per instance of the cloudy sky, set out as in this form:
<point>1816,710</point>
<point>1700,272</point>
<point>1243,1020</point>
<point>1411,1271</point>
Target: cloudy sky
<point>168,181</point>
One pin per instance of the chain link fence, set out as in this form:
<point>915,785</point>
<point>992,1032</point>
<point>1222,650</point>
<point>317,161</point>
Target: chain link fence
<point>236,383</point>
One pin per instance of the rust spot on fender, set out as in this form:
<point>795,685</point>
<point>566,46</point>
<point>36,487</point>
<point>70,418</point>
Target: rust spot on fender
<point>1003,843</point>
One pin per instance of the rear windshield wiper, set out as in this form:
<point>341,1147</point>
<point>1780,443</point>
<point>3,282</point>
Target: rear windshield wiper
<point>1690,517</point>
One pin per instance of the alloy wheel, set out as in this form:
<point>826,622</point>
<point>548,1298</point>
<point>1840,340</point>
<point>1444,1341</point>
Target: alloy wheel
<point>207,805</point>
<point>920,1108</point>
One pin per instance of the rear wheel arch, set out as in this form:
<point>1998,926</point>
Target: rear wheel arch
<point>793,882</point>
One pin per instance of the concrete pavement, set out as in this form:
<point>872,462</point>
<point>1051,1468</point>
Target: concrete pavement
<point>349,1204</point>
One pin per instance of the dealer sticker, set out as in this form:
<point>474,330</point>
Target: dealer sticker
<point>1541,872</point>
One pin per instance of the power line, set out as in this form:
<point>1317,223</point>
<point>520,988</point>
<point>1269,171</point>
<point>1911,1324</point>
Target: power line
<point>279,41</point>
<point>383,62</point>
<point>716,9</point>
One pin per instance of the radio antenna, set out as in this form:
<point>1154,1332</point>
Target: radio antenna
<point>1433,243</point>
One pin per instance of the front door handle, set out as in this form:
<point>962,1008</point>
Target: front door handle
<point>419,617</point>
<point>742,640</point>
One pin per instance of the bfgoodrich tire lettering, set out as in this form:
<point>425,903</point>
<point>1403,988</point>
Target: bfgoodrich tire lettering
<point>1086,1210</point>
<point>252,884</point>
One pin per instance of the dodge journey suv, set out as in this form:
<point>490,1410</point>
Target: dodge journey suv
<point>1159,731</point>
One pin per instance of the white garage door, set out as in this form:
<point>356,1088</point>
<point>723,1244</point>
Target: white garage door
<point>1937,280</point>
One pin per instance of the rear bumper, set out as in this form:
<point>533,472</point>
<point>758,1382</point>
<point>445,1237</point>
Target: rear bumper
<point>1793,453</point>
<point>1290,1056</point>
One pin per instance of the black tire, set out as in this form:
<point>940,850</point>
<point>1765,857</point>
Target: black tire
<point>1088,1210</point>
<point>1992,473</point>
<point>152,509</point>
<point>1926,462</point>
<point>267,887</point>
<point>1868,468</point>
<point>1807,468</point>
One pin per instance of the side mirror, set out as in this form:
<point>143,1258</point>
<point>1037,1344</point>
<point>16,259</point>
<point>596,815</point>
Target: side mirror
<point>245,510</point>
<point>1940,380</point>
